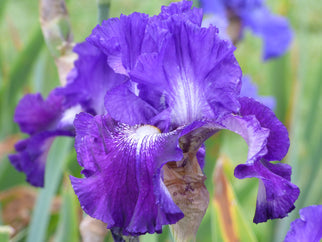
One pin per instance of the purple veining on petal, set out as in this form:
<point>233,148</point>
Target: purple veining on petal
<point>308,227</point>
<point>122,164</point>
<point>121,40</point>
<point>278,141</point>
<point>193,60</point>
<point>32,155</point>
<point>276,194</point>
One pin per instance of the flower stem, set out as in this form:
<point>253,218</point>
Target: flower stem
<point>103,10</point>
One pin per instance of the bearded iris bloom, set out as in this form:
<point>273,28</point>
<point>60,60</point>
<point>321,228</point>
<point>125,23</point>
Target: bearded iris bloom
<point>152,91</point>
<point>234,16</point>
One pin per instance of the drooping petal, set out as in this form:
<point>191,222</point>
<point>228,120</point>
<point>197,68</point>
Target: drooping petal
<point>32,155</point>
<point>34,114</point>
<point>196,71</point>
<point>276,194</point>
<point>249,89</point>
<point>122,164</point>
<point>307,228</point>
<point>89,80</point>
<point>278,141</point>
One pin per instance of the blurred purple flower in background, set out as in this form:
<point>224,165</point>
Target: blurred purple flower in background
<point>152,90</point>
<point>307,228</point>
<point>234,16</point>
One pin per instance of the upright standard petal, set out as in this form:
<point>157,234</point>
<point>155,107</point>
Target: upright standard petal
<point>89,80</point>
<point>122,164</point>
<point>307,228</point>
<point>195,70</point>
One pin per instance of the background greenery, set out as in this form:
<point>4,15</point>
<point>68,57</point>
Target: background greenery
<point>26,66</point>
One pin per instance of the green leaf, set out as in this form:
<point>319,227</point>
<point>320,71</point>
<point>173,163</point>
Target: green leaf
<point>5,232</point>
<point>18,76</point>
<point>54,166</point>
<point>68,220</point>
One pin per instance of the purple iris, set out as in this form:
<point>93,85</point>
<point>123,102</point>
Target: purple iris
<point>308,227</point>
<point>152,90</point>
<point>235,15</point>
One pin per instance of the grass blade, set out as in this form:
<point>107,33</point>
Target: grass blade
<point>54,166</point>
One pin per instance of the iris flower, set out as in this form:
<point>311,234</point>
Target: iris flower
<point>233,16</point>
<point>152,90</point>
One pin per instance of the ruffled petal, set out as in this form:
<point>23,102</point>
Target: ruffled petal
<point>121,39</point>
<point>34,114</point>
<point>195,70</point>
<point>89,80</point>
<point>122,164</point>
<point>307,228</point>
<point>276,194</point>
<point>32,155</point>
<point>278,141</point>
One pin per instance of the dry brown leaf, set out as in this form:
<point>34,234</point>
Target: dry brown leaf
<point>17,204</point>
<point>7,145</point>
<point>58,35</point>
<point>185,182</point>
<point>92,230</point>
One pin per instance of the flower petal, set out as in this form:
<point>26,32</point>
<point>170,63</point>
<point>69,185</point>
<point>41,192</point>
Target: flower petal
<point>90,80</point>
<point>307,227</point>
<point>278,141</point>
<point>275,31</point>
<point>124,106</point>
<point>32,155</point>
<point>276,194</point>
<point>121,39</point>
<point>195,69</point>
<point>122,164</point>
<point>33,114</point>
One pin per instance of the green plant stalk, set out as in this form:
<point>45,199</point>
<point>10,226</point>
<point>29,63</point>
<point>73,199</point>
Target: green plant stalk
<point>54,169</point>
<point>103,10</point>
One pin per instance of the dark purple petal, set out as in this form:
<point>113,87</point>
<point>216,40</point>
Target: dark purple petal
<point>90,80</point>
<point>195,70</point>
<point>32,155</point>
<point>276,194</point>
<point>308,227</point>
<point>122,164</point>
<point>183,9</point>
<point>34,114</point>
<point>121,39</point>
<point>126,107</point>
<point>249,89</point>
<point>278,141</point>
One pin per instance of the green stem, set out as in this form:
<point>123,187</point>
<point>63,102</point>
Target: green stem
<point>103,10</point>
